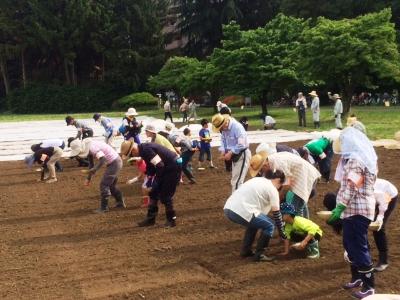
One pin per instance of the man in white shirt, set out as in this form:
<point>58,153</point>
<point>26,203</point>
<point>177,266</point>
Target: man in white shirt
<point>249,206</point>
<point>301,106</point>
<point>337,109</point>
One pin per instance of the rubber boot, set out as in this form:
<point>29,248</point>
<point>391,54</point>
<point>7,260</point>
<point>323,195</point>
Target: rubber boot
<point>355,279</point>
<point>120,202</point>
<point>318,124</point>
<point>262,243</point>
<point>248,240</point>
<point>150,218</point>
<point>313,249</point>
<point>171,218</point>
<point>368,284</point>
<point>315,124</point>
<point>103,206</point>
<point>382,262</point>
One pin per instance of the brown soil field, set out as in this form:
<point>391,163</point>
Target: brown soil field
<point>52,245</point>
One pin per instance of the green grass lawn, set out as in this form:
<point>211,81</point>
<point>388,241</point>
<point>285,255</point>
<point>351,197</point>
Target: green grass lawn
<point>381,122</point>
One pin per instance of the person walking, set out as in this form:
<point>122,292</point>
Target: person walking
<point>356,172</point>
<point>301,106</point>
<point>192,111</point>
<point>106,155</point>
<point>234,146</point>
<point>337,109</point>
<point>84,131</point>
<point>249,206</point>
<point>315,108</point>
<point>167,111</point>
<point>108,126</point>
<point>163,165</point>
<point>184,108</point>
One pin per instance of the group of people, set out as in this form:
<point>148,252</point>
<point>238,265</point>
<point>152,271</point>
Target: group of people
<point>301,107</point>
<point>283,181</point>
<point>362,198</point>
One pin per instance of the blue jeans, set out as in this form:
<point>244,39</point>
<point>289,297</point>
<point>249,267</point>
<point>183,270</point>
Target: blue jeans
<point>355,240</point>
<point>262,222</point>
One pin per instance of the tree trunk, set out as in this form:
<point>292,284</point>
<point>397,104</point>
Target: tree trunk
<point>73,75</point>
<point>3,69</point>
<point>347,94</point>
<point>215,94</point>
<point>263,103</point>
<point>23,68</point>
<point>103,67</point>
<point>66,70</point>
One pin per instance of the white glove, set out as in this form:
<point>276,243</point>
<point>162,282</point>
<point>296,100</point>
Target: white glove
<point>379,220</point>
<point>133,180</point>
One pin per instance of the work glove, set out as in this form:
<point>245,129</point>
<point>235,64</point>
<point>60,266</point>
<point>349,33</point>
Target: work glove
<point>379,220</point>
<point>336,213</point>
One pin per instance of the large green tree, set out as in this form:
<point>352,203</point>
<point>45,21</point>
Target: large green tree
<point>352,53</point>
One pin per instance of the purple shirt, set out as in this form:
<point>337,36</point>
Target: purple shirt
<point>101,149</point>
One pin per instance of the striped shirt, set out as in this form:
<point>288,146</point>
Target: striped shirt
<point>357,190</point>
<point>300,173</point>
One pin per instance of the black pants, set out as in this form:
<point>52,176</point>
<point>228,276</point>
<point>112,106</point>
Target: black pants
<point>167,114</point>
<point>380,236</point>
<point>87,133</point>
<point>324,165</point>
<point>165,187</point>
<point>302,117</point>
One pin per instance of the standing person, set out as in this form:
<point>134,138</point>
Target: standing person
<point>234,146</point>
<point>192,111</point>
<point>131,128</point>
<point>322,153</point>
<point>184,108</point>
<point>249,206</point>
<point>300,175</point>
<point>47,157</point>
<point>315,108</point>
<point>337,109</point>
<point>387,202</point>
<point>301,106</point>
<point>84,131</point>
<point>205,146</point>
<point>162,164</point>
<point>106,155</point>
<point>356,173</point>
<point>51,143</point>
<point>167,111</point>
<point>187,152</point>
<point>108,127</point>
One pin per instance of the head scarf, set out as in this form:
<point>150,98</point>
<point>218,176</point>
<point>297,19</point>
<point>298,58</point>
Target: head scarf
<point>356,145</point>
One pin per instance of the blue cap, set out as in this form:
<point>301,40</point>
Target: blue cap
<point>29,160</point>
<point>287,209</point>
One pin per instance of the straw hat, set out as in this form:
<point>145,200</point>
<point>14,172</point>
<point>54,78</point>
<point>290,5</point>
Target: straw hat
<point>313,94</point>
<point>218,121</point>
<point>76,147</point>
<point>131,112</point>
<point>126,148</point>
<point>269,148</point>
<point>351,120</point>
<point>150,128</point>
<point>336,146</point>
<point>256,163</point>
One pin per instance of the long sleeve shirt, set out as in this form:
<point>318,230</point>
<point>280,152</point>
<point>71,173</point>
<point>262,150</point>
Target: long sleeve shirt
<point>234,138</point>
<point>82,127</point>
<point>157,158</point>
<point>317,147</point>
<point>315,104</point>
<point>300,101</point>
<point>302,226</point>
<point>107,125</point>
<point>357,190</point>
<point>338,109</point>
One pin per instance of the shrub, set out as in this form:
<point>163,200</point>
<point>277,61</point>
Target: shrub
<point>137,99</point>
<point>61,99</point>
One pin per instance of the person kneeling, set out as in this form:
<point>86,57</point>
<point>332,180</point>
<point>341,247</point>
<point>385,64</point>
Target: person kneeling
<point>303,231</point>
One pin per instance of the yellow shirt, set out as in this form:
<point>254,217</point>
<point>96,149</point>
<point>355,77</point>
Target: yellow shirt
<point>302,226</point>
<point>164,142</point>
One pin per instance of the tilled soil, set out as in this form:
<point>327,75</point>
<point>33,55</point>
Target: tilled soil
<point>52,246</point>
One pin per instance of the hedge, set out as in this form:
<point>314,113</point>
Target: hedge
<point>137,99</point>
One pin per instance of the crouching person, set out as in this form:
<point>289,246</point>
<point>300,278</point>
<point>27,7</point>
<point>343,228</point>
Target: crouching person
<point>249,206</point>
<point>105,155</point>
<point>300,230</point>
<point>164,165</point>
<point>47,158</point>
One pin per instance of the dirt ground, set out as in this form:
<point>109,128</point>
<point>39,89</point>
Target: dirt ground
<point>52,246</point>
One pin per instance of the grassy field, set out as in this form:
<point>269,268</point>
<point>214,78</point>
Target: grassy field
<point>381,122</point>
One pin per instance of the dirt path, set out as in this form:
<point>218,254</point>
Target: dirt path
<point>53,247</point>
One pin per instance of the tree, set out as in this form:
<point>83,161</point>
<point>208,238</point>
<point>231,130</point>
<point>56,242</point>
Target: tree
<point>352,53</point>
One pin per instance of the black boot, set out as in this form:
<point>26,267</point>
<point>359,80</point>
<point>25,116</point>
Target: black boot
<point>171,218</point>
<point>368,284</point>
<point>120,203</point>
<point>150,218</point>
<point>262,243</point>
<point>248,240</point>
<point>103,206</point>
<point>315,124</point>
<point>382,262</point>
<point>318,124</point>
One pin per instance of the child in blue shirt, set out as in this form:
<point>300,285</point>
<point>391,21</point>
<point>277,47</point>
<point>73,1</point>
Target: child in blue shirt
<point>205,147</point>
